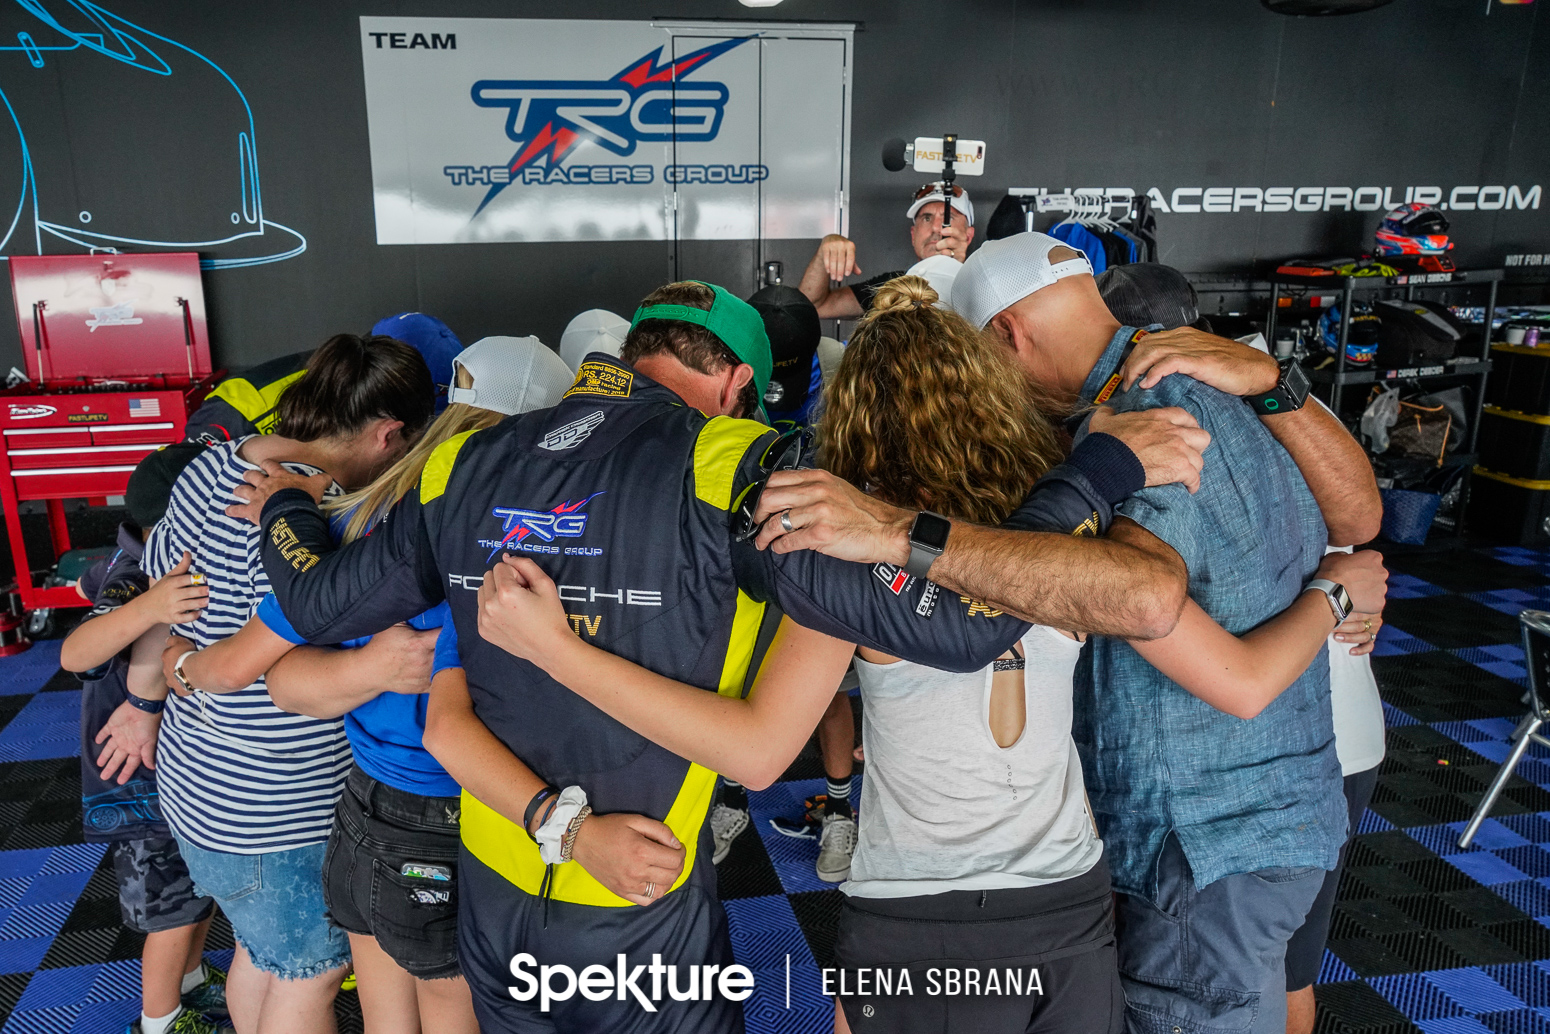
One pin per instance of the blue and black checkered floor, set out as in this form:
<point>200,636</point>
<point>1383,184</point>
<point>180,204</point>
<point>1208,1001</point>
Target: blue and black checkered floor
<point>1425,937</point>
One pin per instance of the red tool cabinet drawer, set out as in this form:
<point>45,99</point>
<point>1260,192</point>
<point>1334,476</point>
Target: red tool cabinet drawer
<point>79,456</point>
<point>72,482</point>
<point>132,434</point>
<point>46,437</point>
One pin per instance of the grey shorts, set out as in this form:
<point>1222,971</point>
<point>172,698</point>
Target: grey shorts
<point>1212,959</point>
<point>155,891</point>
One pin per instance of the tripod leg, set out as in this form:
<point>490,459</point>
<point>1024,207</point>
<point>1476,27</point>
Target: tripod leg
<point>1503,774</point>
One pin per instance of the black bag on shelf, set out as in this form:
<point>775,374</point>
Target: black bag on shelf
<point>1416,333</point>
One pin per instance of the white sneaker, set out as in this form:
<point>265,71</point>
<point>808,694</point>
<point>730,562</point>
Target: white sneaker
<point>726,825</point>
<point>836,845</point>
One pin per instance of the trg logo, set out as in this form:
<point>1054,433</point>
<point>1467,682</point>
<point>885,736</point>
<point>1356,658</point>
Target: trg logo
<point>561,522</point>
<point>646,100</point>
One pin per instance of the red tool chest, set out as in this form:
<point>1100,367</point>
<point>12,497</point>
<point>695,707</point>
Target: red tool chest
<point>117,356</point>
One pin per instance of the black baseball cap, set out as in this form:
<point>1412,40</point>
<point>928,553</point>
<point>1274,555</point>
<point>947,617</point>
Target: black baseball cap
<point>150,484</point>
<point>1141,294</point>
<point>792,324</point>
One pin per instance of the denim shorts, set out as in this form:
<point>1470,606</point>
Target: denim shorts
<point>275,904</point>
<point>391,873</point>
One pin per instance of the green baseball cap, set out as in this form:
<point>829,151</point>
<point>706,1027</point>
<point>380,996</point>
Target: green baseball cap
<point>736,323</point>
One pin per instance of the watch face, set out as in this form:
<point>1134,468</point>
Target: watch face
<point>1296,380</point>
<point>931,530</point>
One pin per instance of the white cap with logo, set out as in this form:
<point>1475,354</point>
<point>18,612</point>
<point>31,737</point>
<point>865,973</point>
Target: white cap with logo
<point>1004,272</point>
<point>596,330</point>
<point>936,192</point>
<point>939,271</point>
<point>511,375</point>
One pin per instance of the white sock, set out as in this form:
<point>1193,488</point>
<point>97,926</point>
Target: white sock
<point>155,1025</point>
<point>193,980</point>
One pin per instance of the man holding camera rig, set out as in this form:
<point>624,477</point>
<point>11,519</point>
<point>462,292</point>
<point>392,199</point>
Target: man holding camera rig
<point>835,258</point>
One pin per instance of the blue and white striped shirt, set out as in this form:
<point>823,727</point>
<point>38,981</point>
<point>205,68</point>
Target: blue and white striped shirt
<point>236,773</point>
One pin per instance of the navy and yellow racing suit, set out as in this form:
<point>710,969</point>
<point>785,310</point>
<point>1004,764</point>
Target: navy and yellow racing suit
<point>622,493</point>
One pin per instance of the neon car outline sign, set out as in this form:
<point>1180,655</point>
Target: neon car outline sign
<point>646,100</point>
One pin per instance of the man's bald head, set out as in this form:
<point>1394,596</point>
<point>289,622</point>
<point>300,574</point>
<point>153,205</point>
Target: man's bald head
<point>1038,296</point>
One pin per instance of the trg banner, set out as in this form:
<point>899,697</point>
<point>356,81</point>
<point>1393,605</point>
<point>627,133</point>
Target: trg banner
<point>492,129</point>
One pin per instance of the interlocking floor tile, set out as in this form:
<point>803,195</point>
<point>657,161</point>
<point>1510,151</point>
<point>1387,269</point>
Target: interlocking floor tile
<point>1426,937</point>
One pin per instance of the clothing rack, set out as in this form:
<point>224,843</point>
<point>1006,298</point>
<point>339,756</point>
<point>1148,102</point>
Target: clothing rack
<point>1108,207</point>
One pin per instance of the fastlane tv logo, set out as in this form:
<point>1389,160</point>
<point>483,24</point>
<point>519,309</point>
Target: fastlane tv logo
<point>535,531</point>
<point>647,100</point>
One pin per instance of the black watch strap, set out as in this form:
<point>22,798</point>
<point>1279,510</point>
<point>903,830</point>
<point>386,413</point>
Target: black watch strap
<point>1290,392</point>
<point>148,706</point>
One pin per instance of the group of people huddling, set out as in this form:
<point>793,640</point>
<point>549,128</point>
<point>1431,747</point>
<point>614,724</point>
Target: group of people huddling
<point>430,662</point>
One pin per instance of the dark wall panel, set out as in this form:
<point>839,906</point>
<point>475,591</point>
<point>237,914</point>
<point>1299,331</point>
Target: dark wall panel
<point>1190,93</point>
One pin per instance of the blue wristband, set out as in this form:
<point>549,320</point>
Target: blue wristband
<point>148,706</point>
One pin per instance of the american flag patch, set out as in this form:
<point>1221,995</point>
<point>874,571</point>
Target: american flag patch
<point>144,407</point>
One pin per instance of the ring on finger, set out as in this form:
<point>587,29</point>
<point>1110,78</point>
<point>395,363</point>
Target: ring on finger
<point>1367,625</point>
<point>651,890</point>
<point>785,521</point>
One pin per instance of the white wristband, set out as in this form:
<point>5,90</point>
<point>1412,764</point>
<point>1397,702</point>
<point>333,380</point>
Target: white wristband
<point>572,800</point>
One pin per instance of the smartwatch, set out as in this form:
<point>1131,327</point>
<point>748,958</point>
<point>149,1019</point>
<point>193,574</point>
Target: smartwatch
<point>928,537</point>
<point>148,706</point>
<point>1339,599</point>
<point>1290,392</point>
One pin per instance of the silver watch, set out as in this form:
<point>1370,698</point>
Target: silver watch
<point>1339,599</point>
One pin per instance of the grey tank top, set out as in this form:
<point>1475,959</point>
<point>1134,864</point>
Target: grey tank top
<point>943,806</point>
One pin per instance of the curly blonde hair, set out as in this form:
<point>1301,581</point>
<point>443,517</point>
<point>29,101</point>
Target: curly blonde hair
<point>927,413</point>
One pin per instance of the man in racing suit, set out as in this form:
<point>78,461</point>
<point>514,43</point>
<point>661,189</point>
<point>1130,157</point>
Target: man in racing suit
<point>627,496</point>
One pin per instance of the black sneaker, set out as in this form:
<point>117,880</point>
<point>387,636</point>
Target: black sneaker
<point>209,998</point>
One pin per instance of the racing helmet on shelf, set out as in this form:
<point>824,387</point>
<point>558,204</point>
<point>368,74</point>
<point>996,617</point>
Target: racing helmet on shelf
<point>1361,343</point>
<point>1413,229</point>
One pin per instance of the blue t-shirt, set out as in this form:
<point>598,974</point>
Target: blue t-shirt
<point>1083,240</point>
<point>386,733</point>
<point>446,648</point>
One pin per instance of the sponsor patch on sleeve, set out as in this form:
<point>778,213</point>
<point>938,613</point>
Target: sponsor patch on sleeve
<point>982,609</point>
<point>594,378</point>
<point>894,577</point>
<point>926,606</point>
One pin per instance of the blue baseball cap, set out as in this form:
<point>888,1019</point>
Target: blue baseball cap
<point>434,341</point>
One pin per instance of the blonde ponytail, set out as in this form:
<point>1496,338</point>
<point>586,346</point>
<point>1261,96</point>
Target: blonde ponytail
<point>902,294</point>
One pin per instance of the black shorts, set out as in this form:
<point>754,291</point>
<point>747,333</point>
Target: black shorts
<point>155,891</point>
<point>687,927</point>
<point>1305,951</point>
<point>1040,959</point>
<point>391,873</point>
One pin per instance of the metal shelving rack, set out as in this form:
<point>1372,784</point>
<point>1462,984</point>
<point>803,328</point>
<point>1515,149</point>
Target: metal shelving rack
<point>1341,375</point>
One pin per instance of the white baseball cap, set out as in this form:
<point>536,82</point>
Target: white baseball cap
<point>1004,272</point>
<point>596,330</point>
<point>939,271</point>
<point>935,192</point>
<point>511,375</point>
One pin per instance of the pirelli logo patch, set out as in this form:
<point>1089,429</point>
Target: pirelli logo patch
<point>301,558</point>
<point>595,378</point>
